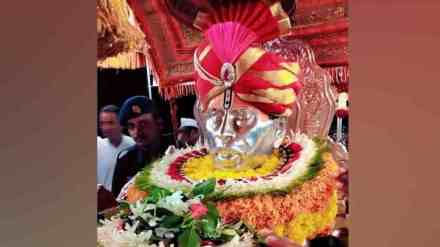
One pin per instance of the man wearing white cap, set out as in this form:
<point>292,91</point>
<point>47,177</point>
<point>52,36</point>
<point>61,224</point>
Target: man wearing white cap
<point>188,133</point>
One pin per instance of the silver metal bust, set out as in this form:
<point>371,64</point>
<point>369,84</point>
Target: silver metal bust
<point>232,134</point>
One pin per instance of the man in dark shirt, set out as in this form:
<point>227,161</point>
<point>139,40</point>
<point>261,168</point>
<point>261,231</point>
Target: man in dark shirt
<point>188,133</point>
<point>139,116</point>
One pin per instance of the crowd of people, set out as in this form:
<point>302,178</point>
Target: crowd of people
<point>121,156</point>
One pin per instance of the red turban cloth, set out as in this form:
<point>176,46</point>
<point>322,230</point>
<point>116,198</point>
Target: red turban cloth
<point>229,56</point>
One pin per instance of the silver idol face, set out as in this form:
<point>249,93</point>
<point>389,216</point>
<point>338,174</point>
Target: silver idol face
<point>242,130</point>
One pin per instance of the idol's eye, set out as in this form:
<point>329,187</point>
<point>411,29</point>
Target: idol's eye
<point>243,119</point>
<point>215,118</point>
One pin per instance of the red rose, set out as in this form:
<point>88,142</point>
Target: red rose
<point>120,225</point>
<point>207,243</point>
<point>295,147</point>
<point>198,210</point>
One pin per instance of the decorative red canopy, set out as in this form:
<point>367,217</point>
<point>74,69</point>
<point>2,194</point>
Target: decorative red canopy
<point>172,44</point>
<point>322,23</point>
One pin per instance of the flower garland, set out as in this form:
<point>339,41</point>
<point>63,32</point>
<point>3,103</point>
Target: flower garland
<point>307,225</point>
<point>267,211</point>
<point>302,161</point>
<point>204,168</point>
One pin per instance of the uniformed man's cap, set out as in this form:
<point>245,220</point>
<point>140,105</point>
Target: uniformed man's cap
<point>134,107</point>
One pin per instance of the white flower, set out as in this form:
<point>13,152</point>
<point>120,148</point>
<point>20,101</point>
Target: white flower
<point>152,222</point>
<point>196,199</point>
<point>139,209</point>
<point>131,239</point>
<point>246,240</point>
<point>162,231</point>
<point>174,203</point>
<point>169,235</point>
<point>105,233</point>
<point>110,236</point>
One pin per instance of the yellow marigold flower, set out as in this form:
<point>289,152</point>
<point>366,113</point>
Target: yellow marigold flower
<point>306,225</point>
<point>279,230</point>
<point>257,165</point>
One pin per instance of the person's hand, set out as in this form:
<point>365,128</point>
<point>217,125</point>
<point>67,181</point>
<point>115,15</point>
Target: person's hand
<point>274,241</point>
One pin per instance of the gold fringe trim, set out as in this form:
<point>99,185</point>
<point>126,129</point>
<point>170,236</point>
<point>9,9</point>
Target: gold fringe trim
<point>132,60</point>
<point>117,29</point>
<point>178,90</point>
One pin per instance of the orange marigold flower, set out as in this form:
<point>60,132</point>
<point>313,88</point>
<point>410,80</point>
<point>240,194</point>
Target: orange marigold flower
<point>267,211</point>
<point>134,194</point>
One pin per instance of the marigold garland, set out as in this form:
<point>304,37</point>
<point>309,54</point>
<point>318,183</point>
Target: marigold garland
<point>204,168</point>
<point>307,225</point>
<point>301,161</point>
<point>270,211</point>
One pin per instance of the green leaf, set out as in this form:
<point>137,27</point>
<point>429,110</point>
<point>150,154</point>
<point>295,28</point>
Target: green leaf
<point>209,225</point>
<point>157,193</point>
<point>204,188</point>
<point>188,221</point>
<point>189,238</point>
<point>210,221</point>
<point>171,221</point>
<point>228,234</point>
<point>142,181</point>
<point>163,212</point>
<point>212,210</point>
<point>124,205</point>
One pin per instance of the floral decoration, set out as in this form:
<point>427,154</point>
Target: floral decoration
<point>166,218</point>
<point>294,164</point>
<point>254,166</point>
<point>298,179</point>
<point>307,225</point>
<point>269,211</point>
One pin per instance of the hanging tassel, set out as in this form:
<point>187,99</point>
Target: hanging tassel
<point>342,106</point>
<point>340,77</point>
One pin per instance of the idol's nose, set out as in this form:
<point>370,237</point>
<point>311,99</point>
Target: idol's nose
<point>227,133</point>
<point>226,138</point>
